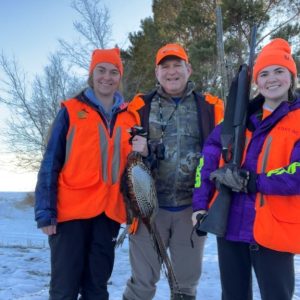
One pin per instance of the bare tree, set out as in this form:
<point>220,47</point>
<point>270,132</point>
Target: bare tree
<point>33,107</point>
<point>34,104</point>
<point>94,30</point>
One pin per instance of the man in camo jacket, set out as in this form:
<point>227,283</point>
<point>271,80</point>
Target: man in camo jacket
<point>177,121</point>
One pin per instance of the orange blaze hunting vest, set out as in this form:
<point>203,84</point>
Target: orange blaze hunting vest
<point>89,183</point>
<point>277,220</point>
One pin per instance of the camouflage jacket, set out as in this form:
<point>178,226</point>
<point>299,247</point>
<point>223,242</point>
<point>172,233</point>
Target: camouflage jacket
<point>182,138</point>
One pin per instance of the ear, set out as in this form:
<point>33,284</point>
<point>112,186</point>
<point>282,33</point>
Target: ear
<point>156,71</point>
<point>190,69</point>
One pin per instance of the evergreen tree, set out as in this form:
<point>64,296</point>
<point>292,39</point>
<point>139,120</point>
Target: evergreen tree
<point>192,23</point>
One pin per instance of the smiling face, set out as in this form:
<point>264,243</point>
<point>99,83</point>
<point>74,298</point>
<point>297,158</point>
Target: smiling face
<point>173,74</point>
<point>106,80</point>
<point>273,83</point>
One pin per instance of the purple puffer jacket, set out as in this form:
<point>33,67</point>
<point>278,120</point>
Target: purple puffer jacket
<point>242,212</point>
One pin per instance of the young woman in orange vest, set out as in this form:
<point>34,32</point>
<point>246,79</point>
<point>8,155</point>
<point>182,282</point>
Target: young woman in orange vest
<point>78,200</point>
<point>264,218</point>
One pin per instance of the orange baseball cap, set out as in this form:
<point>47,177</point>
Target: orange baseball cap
<point>277,52</point>
<point>171,50</point>
<point>106,55</point>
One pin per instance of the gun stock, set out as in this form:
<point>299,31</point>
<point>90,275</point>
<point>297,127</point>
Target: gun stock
<point>216,219</point>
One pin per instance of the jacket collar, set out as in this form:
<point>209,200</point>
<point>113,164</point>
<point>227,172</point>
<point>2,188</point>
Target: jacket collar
<point>282,110</point>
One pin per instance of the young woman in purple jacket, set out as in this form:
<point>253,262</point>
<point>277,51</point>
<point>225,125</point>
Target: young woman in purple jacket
<point>264,214</point>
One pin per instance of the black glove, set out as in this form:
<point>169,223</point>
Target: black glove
<point>237,179</point>
<point>200,217</point>
<point>197,218</point>
<point>251,186</point>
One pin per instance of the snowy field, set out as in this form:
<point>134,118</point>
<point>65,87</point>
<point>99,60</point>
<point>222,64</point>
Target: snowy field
<point>24,260</point>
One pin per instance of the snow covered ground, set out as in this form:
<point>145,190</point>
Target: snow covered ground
<point>24,260</point>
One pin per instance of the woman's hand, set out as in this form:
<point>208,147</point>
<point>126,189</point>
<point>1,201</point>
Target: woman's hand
<point>195,214</point>
<point>49,230</point>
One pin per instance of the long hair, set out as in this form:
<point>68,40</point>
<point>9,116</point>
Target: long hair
<point>292,95</point>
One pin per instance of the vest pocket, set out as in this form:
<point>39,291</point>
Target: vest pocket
<point>79,181</point>
<point>285,208</point>
<point>277,230</point>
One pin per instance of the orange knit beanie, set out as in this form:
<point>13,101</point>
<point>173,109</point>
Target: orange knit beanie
<point>108,56</point>
<point>277,52</point>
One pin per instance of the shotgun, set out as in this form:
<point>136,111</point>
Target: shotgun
<point>232,140</point>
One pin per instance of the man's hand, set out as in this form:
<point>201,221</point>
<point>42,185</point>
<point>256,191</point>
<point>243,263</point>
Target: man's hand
<point>49,230</point>
<point>139,144</point>
<point>235,178</point>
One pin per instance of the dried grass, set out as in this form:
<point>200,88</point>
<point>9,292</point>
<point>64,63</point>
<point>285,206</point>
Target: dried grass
<point>28,201</point>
